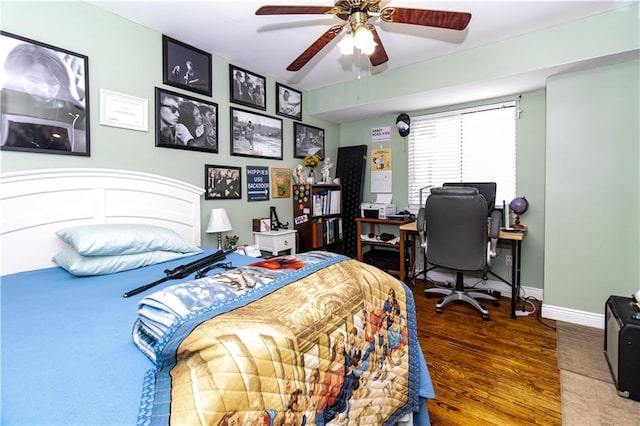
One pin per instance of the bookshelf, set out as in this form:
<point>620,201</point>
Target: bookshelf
<point>317,216</point>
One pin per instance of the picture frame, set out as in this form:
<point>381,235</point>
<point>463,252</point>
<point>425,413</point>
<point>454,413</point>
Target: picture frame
<point>222,182</point>
<point>288,102</point>
<point>280,182</point>
<point>308,140</point>
<point>186,67</point>
<point>247,88</point>
<point>124,111</point>
<point>59,124</point>
<point>255,135</point>
<point>176,122</point>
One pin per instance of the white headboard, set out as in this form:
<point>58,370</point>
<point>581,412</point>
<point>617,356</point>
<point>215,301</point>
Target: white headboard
<point>36,203</point>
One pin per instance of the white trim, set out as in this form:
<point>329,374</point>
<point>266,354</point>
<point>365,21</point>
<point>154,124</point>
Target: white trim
<point>495,285</point>
<point>574,316</point>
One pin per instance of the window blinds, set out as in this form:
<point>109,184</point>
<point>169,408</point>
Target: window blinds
<point>470,145</point>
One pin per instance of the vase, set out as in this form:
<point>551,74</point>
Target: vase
<point>311,179</point>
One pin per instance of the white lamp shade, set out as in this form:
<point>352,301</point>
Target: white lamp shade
<point>218,221</point>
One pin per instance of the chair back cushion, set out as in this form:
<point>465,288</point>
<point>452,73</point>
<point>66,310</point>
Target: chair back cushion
<point>456,222</point>
<point>486,189</point>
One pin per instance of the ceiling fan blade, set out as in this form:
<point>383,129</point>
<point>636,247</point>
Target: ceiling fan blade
<point>316,47</point>
<point>379,56</point>
<point>429,18</point>
<point>293,10</point>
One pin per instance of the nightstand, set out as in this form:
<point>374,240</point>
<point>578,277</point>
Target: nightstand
<point>276,241</point>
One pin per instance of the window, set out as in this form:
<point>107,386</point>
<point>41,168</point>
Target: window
<point>470,145</point>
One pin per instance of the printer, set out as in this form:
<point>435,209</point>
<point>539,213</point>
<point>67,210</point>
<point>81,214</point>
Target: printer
<point>377,210</point>
<point>381,209</point>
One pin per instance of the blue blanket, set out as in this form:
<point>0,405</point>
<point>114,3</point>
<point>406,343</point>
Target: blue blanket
<point>315,338</point>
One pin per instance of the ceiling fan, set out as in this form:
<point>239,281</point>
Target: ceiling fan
<point>357,13</point>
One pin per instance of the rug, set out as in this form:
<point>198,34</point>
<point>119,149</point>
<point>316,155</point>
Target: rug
<point>581,350</point>
<point>589,397</point>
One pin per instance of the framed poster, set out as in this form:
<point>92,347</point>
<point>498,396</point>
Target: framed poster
<point>247,88</point>
<point>186,67</point>
<point>222,182</point>
<point>255,135</point>
<point>280,183</point>
<point>44,105</point>
<point>183,122</point>
<point>257,183</point>
<point>308,140</point>
<point>120,110</point>
<point>288,102</point>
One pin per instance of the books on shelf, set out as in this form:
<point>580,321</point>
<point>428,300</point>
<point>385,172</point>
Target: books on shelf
<point>332,230</point>
<point>326,202</point>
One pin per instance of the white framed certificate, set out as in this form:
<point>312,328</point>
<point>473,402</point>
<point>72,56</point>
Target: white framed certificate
<point>120,110</point>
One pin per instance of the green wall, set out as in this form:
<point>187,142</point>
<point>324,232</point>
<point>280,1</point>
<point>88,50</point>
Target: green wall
<point>577,149</point>
<point>592,230</point>
<point>576,274</point>
<point>530,151</point>
<point>127,58</point>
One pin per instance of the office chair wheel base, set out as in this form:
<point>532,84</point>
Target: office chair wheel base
<point>428,295</point>
<point>485,317</point>
<point>439,311</point>
<point>495,303</point>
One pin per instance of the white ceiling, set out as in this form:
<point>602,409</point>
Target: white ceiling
<point>268,44</point>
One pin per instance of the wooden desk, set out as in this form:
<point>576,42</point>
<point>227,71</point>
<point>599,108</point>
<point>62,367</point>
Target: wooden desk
<point>400,246</point>
<point>514,238</point>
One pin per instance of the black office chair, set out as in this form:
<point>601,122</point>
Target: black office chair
<point>453,231</point>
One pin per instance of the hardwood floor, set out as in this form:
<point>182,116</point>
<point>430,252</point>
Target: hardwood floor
<point>496,372</point>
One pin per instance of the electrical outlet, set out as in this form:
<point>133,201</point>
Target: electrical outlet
<point>508,260</point>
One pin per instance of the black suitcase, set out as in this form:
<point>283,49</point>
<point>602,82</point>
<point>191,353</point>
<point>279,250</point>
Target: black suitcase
<point>622,345</point>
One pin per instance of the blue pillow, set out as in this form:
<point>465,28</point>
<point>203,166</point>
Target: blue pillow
<point>80,265</point>
<point>118,239</point>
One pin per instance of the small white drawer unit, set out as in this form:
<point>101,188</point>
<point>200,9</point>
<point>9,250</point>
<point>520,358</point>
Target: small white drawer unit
<point>276,241</point>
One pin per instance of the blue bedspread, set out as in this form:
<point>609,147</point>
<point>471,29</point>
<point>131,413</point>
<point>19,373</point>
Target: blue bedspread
<point>67,353</point>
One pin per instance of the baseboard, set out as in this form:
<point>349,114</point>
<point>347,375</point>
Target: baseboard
<point>574,316</point>
<point>488,284</point>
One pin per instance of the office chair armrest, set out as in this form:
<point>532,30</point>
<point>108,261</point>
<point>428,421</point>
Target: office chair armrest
<point>494,225</point>
<point>494,233</point>
<point>421,225</point>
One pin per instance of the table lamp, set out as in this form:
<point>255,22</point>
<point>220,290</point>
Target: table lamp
<point>218,222</point>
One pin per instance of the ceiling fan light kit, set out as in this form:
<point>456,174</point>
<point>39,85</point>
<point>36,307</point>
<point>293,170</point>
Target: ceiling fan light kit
<point>362,34</point>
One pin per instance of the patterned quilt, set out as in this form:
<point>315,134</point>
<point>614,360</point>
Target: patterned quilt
<point>310,339</point>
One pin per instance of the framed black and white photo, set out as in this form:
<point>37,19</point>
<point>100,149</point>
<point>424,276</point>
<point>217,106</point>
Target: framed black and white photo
<point>247,88</point>
<point>222,182</point>
<point>186,67</point>
<point>288,102</point>
<point>255,135</point>
<point>308,140</point>
<point>184,122</point>
<point>44,105</point>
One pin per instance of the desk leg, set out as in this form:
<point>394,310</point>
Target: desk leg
<point>401,256</point>
<point>516,247</point>
<point>359,241</point>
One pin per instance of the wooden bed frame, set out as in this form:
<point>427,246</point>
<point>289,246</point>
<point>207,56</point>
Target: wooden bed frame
<point>34,204</point>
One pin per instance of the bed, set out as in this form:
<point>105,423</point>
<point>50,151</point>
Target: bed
<point>74,351</point>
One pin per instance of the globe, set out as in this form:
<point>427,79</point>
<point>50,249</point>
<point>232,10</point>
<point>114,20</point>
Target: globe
<point>518,205</point>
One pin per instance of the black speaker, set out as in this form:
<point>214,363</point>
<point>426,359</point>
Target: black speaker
<point>622,345</point>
